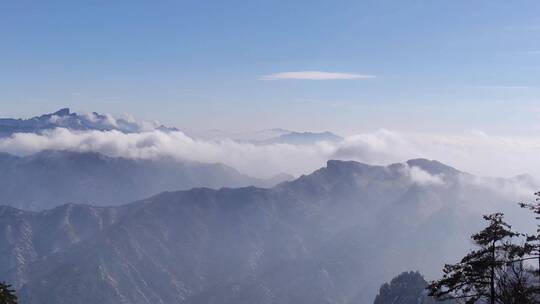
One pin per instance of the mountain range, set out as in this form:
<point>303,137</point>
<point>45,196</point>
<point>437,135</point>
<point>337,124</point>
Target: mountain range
<point>302,138</point>
<point>94,121</point>
<point>64,118</point>
<point>51,178</point>
<point>332,236</point>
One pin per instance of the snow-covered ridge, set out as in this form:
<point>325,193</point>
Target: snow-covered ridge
<point>64,118</point>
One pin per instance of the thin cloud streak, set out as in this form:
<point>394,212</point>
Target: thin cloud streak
<point>315,75</point>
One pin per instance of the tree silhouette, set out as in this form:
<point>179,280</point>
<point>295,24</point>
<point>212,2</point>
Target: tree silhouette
<point>477,276</point>
<point>532,246</point>
<point>7,295</point>
<point>514,284</point>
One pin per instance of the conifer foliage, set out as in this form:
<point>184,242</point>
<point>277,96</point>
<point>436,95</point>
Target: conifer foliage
<point>532,246</point>
<point>7,295</point>
<point>478,276</point>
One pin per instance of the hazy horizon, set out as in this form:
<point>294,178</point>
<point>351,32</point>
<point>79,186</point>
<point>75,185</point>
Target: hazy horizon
<point>257,154</point>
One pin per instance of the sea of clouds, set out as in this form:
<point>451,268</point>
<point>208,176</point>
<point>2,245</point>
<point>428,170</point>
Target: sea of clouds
<point>474,152</point>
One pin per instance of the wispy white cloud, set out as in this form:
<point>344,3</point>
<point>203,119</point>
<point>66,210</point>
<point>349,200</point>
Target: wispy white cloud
<point>315,75</point>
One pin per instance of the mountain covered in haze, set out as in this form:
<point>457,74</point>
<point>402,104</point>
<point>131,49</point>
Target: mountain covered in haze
<point>270,136</point>
<point>333,236</point>
<point>407,288</point>
<point>64,118</point>
<point>303,138</point>
<point>52,178</point>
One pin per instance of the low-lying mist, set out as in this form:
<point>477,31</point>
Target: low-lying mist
<point>474,152</point>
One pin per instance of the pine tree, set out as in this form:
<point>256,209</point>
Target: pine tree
<point>515,284</point>
<point>532,246</point>
<point>7,295</point>
<point>476,277</point>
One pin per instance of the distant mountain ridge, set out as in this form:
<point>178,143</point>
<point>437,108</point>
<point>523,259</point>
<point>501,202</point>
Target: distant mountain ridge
<point>64,118</point>
<point>51,178</point>
<point>332,236</point>
<point>94,121</point>
<point>270,136</point>
<point>302,138</point>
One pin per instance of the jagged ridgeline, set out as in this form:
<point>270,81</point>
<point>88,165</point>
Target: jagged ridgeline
<point>333,236</point>
<point>64,118</point>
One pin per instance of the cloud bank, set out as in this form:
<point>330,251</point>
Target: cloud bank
<point>474,152</point>
<point>315,75</point>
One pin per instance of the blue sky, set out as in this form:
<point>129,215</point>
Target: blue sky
<point>436,66</point>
